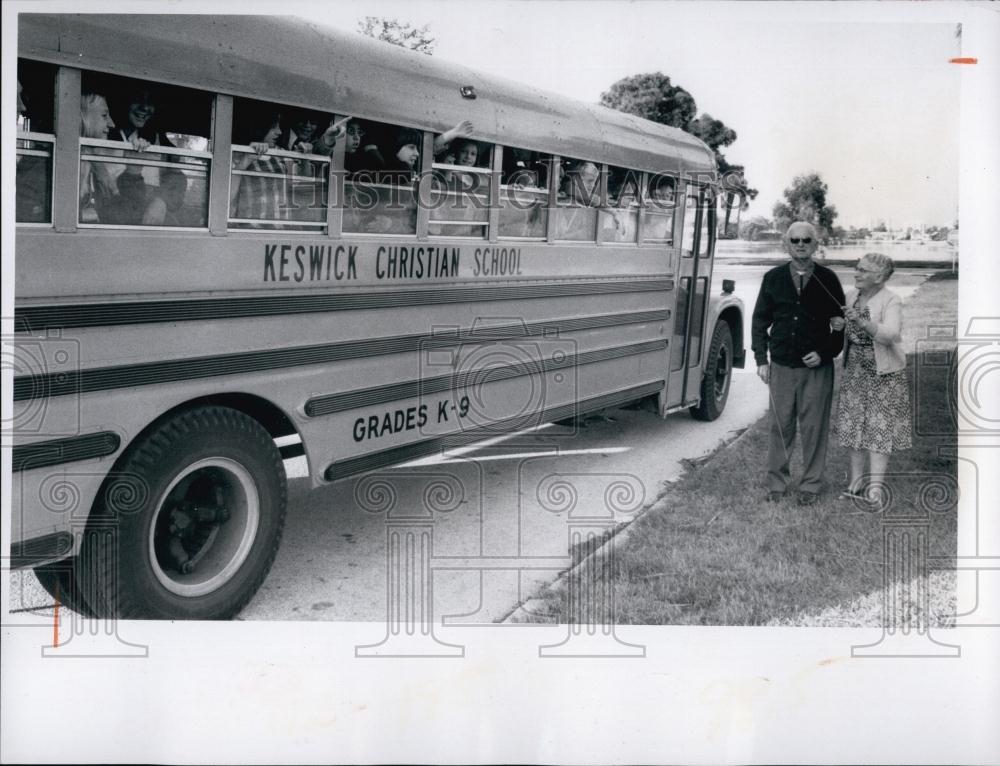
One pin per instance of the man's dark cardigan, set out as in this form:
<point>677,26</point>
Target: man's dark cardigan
<point>798,323</point>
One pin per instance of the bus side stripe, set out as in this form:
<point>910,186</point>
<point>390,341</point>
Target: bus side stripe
<point>40,318</point>
<point>57,451</point>
<point>374,460</point>
<point>368,397</point>
<point>152,373</point>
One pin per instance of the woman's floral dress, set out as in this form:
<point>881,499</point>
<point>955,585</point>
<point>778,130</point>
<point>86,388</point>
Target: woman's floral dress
<point>874,409</point>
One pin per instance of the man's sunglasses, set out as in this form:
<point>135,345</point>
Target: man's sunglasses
<point>800,241</point>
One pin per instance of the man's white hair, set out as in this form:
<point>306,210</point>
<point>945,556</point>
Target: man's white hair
<point>812,228</point>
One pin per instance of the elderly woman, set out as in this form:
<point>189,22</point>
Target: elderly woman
<point>874,416</point>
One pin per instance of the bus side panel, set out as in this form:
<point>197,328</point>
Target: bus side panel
<point>55,499</point>
<point>130,374</point>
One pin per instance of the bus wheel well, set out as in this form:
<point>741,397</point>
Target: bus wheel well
<point>734,318</point>
<point>269,415</point>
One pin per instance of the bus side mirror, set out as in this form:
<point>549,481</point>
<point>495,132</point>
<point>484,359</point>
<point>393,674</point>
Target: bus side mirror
<point>728,285</point>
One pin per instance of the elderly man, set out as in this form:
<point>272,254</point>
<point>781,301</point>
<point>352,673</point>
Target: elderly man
<point>791,321</point>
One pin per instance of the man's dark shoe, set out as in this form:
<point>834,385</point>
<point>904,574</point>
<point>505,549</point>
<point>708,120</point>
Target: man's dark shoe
<point>775,497</point>
<point>807,498</point>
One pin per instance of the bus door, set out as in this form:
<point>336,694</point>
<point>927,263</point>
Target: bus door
<point>693,279</point>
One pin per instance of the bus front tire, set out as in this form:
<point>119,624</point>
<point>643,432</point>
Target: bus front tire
<point>718,374</point>
<point>189,523</point>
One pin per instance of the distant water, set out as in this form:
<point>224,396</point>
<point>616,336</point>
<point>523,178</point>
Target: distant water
<point>898,251</point>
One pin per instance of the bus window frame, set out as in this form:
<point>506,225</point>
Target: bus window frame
<point>134,157</point>
<point>501,189</point>
<point>645,207</point>
<point>475,170</point>
<point>709,220</point>
<point>39,138</point>
<point>554,206</point>
<point>606,207</point>
<point>336,187</point>
<point>68,95</point>
<point>282,225</point>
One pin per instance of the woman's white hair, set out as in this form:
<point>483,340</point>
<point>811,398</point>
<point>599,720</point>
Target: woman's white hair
<point>882,262</point>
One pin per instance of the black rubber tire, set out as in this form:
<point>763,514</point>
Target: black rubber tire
<point>119,566</point>
<point>718,375</point>
<point>59,581</point>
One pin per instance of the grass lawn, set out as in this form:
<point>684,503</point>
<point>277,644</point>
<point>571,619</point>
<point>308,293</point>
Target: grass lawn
<point>712,552</point>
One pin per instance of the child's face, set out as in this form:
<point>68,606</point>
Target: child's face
<point>173,192</point>
<point>408,155</point>
<point>582,181</point>
<point>305,129</point>
<point>96,119</point>
<point>271,137</point>
<point>140,112</point>
<point>354,136</point>
<point>468,155</point>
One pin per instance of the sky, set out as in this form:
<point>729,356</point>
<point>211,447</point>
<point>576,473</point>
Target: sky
<point>871,104</point>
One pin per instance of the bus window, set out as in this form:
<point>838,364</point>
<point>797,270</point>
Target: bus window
<point>273,185</point>
<point>707,219</point>
<point>620,219</point>
<point>460,192</point>
<point>35,141</point>
<point>131,171</point>
<point>523,194</point>
<point>576,206</point>
<point>658,210</point>
<point>690,218</point>
<point>382,167</point>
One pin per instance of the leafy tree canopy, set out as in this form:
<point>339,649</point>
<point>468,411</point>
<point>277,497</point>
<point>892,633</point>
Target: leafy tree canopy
<point>400,33</point>
<point>713,132</point>
<point>751,228</point>
<point>805,200</point>
<point>653,97</point>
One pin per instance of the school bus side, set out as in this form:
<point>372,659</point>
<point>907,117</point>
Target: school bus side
<point>147,350</point>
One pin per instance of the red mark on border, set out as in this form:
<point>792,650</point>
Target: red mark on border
<point>963,60</point>
<point>55,621</point>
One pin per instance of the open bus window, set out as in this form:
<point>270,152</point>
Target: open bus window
<point>523,194</point>
<point>576,204</point>
<point>35,141</point>
<point>381,163</point>
<point>658,210</point>
<point>280,168</point>
<point>140,161</point>
<point>460,190</point>
<point>620,218</point>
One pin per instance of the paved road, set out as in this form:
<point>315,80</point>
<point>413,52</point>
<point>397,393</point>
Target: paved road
<point>510,504</point>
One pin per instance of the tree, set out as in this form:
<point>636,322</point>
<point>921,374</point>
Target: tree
<point>400,33</point>
<point>750,229</point>
<point>805,200</point>
<point>653,97</point>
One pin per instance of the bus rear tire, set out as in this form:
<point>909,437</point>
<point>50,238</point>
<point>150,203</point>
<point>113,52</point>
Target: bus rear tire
<point>718,375</point>
<point>189,523</point>
<point>59,581</point>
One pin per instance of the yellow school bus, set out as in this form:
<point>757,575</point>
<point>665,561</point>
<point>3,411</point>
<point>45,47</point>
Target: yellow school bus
<point>240,232</point>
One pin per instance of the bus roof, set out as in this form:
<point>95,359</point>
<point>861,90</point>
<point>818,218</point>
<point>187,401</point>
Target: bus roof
<point>299,63</point>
